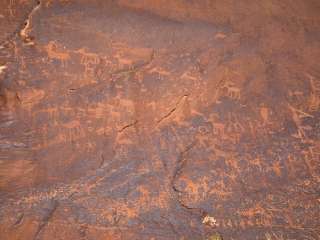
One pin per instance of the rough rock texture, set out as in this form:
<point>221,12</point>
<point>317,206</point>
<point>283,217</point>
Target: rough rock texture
<point>160,119</point>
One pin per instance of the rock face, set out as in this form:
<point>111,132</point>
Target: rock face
<point>160,119</point>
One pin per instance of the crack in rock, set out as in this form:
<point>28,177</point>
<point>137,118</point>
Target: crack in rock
<point>128,126</point>
<point>173,109</point>
<point>25,31</point>
<point>19,220</point>
<point>46,219</point>
<point>180,164</point>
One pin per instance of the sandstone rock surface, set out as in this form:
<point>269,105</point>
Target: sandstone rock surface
<point>159,119</point>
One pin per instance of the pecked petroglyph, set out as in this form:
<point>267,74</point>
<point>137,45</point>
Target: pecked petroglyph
<point>168,120</point>
<point>53,52</point>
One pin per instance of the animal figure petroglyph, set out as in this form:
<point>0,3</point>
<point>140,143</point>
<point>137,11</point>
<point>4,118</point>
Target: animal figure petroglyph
<point>88,60</point>
<point>54,54</point>
<point>87,57</point>
<point>188,76</point>
<point>232,91</point>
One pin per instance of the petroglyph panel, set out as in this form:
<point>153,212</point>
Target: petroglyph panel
<point>159,119</point>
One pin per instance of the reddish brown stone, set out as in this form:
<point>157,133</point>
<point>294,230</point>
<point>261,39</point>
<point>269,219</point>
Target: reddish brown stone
<point>159,119</point>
